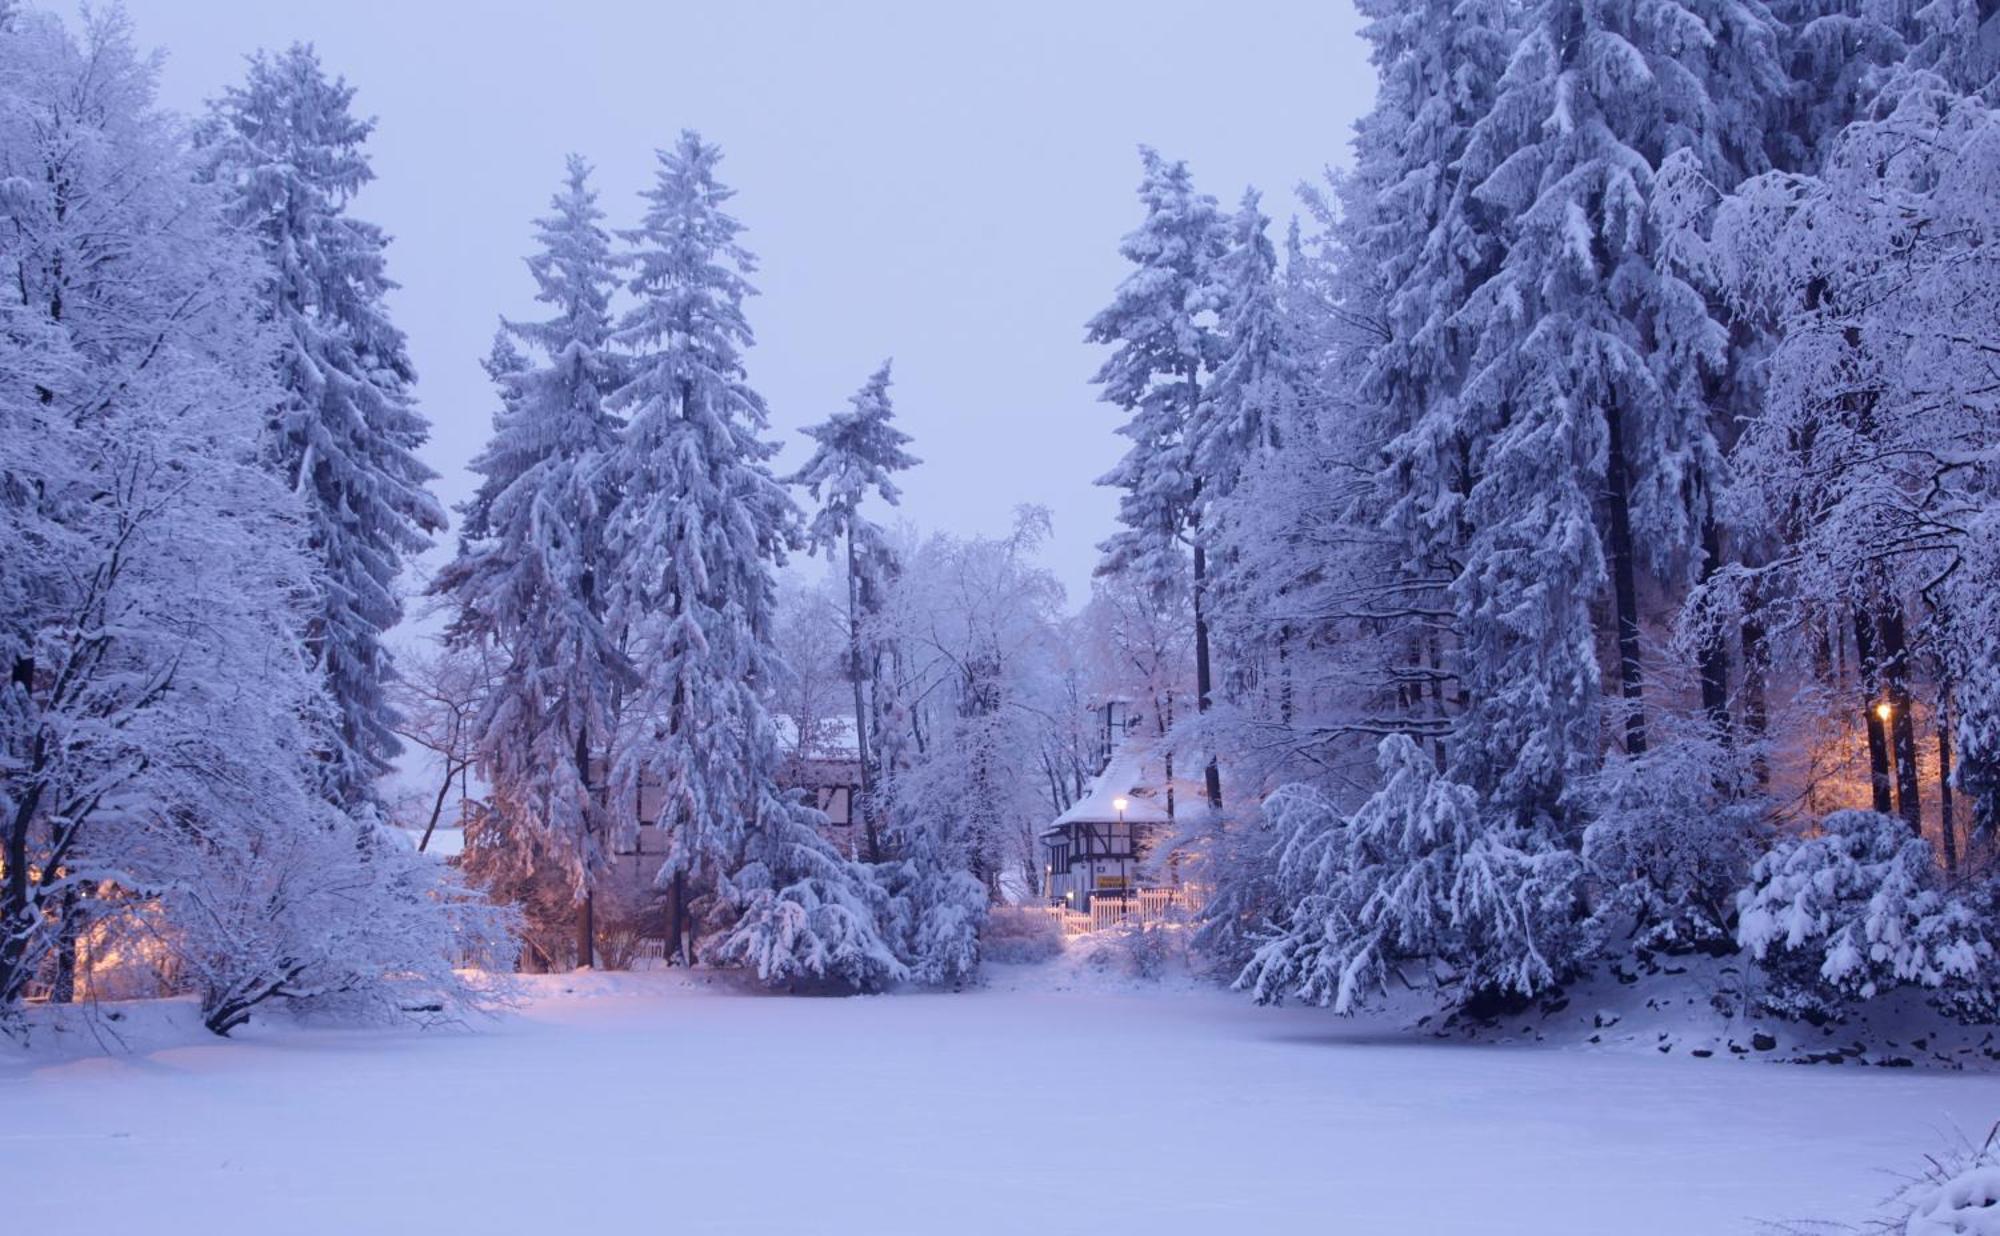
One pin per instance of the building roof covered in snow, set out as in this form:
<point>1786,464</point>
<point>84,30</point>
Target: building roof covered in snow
<point>1124,777</point>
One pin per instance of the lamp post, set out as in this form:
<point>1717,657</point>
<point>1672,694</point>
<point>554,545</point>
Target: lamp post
<point>1119,804</point>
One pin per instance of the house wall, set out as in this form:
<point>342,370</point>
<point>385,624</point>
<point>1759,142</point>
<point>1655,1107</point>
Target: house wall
<point>829,784</point>
<point>1101,858</point>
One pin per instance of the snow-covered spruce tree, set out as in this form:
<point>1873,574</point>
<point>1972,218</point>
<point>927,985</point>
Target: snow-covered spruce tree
<point>1249,395</point>
<point>1588,334</point>
<point>1161,326</point>
<point>1857,909</point>
<point>1245,409</point>
<point>162,730</point>
<point>700,526</point>
<point>937,905</point>
<point>856,451</point>
<point>1341,544</point>
<point>532,580</point>
<point>287,149</point>
<point>1415,242</point>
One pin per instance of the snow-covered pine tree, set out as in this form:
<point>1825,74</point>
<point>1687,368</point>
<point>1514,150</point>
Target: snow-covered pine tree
<point>1616,346</point>
<point>859,450</point>
<point>1161,326</point>
<point>1249,395</point>
<point>287,148</point>
<point>1415,242</point>
<point>534,571</point>
<point>701,524</point>
<point>1343,544</point>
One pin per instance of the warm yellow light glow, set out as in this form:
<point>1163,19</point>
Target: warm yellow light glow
<point>1120,804</point>
<point>1883,710</point>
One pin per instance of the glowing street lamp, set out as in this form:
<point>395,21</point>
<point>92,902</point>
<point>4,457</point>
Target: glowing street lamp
<point>1883,710</point>
<point>1119,804</point>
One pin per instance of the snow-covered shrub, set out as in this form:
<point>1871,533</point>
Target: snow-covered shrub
<point>1856,909</point>
<point>329,914</point>
<point>1236,861</point>
<point>1150,948</point>
<point>1674,834</point>
<point>796,910</point>
<point>1955,1193</point>
<point>937,906</point>
<point>1417,874</point>
<point>938,915</point>
<point>1021,934</point>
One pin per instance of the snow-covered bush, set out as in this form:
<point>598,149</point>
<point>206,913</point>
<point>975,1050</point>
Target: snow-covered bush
<point>1021,934</point>
<point>1674,834</point>
<point>1150,948</point>
<point>1417,874</point>
<point>1236,861</point>
<point>1858,908</point>
<point>795,910</point>
<point>938,916</point>
<point>1955,1193</point>
<point>332,915</point>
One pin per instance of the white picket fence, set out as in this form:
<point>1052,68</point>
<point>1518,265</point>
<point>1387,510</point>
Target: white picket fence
<point>1146,907</point>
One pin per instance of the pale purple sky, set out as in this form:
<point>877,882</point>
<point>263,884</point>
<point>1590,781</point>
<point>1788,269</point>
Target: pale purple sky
<point>938,182</point>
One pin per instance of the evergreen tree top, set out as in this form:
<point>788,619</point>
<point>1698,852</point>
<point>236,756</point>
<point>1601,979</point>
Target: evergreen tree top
<point>857,450</point>
<point>689,275</point>
<point>572,267</point>
<point>1152,316</point>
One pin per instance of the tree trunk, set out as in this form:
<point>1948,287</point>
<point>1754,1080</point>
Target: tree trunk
<point>1211,775</point>
<point>586,933</point>
<point>586,926</point>
<point>1878,740</point>
<point>865,804</point>
<point>437,806</point>
<point>1714,649</point>
<point>1624,585</point>
<point>1902,725</point>
<point>64,990</point>
<point>18,908</point>
<point>1946,823</point>
<point>1756,716</point>
<point>682,943</point>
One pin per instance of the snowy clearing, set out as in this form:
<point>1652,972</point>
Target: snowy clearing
<point>652,1101</point>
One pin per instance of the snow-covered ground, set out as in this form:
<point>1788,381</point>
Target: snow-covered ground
<point>1046,1102</point>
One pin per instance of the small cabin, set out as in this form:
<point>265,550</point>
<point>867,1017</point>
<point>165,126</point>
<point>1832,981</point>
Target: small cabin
<point>1096,848</point>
